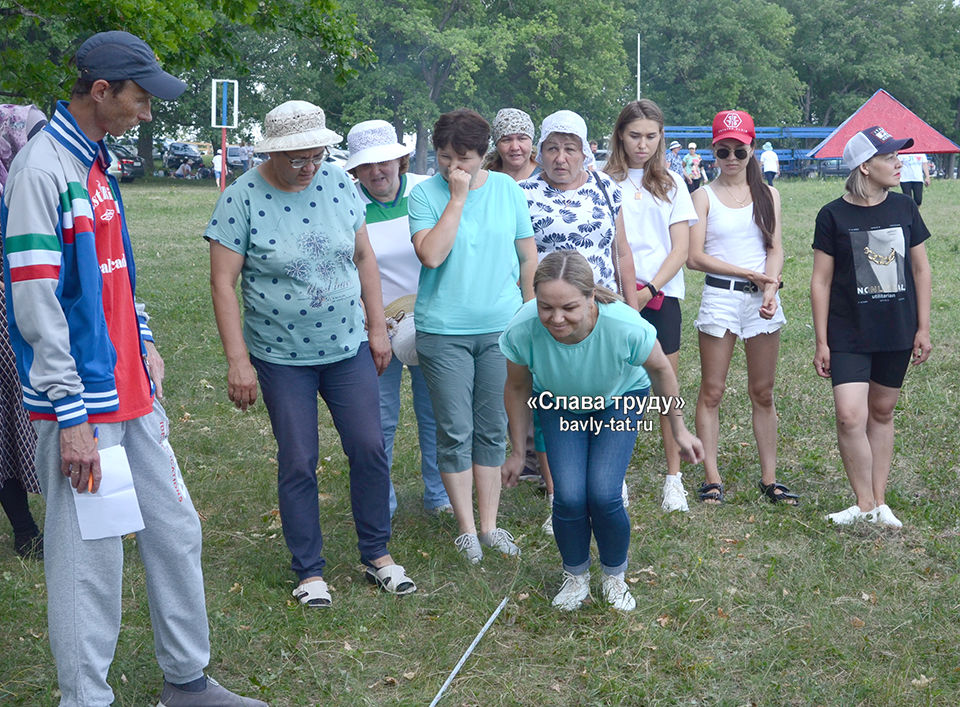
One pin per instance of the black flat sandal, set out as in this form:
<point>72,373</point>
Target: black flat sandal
<point>778,493</point>
<point>710,493</point>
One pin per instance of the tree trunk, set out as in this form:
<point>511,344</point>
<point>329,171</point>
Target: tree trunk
<point>421,157</point>
<point>145,146</point>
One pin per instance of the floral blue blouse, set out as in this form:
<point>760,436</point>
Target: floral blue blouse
<point>578,220</point>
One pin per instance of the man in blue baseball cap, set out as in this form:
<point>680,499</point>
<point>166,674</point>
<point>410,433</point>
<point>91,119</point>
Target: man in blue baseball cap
<point>90,375</point>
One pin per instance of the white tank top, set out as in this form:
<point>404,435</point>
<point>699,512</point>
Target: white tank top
<point>733,236</point>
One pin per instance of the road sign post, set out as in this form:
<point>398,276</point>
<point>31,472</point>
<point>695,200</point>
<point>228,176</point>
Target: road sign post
<point>223,94</point>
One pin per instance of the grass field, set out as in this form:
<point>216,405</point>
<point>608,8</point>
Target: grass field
<point>742,604</point>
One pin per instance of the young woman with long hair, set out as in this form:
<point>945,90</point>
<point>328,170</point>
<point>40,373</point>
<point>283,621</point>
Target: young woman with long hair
<point>657,216</point>
<point>737,243</point>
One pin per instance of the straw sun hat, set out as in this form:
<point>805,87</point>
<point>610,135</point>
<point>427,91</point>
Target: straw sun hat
<point>295,125</point>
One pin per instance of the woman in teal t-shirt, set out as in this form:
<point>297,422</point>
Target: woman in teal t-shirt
<point>585,357</point>
<point>472,233</point>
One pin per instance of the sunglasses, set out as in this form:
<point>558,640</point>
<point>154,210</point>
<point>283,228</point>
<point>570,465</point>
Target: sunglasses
<point>724,152</point>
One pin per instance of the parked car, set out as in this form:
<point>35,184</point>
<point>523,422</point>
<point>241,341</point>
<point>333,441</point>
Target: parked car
<point>337,156</point>
<point>124,164</point>
<point>179,152</point>
<point>832,167</point>
<point>237,157</point>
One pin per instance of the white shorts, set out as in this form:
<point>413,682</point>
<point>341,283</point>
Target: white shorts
<point>738,312</point>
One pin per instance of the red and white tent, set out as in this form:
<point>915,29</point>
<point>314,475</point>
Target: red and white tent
<point>898,120</point>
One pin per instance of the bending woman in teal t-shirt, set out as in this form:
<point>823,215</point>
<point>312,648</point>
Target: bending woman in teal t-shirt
<point>586,357</point>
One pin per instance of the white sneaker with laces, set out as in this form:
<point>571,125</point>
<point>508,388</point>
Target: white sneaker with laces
<point>500,540</point>
<point>625,495</point>
<point>884,516</point>
<point>617,594</point>
<point>469,545</point>
<point>574,590</point>
<point>547,526</point>
<point>848,515</point>
<point>674,495</point>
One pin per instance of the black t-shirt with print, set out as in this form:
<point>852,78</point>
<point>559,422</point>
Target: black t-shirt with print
<point>873,301</point>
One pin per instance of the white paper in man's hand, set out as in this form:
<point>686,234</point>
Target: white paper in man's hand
<point>113,510</point>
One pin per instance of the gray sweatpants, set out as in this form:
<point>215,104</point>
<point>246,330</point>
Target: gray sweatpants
<point>84,577</point>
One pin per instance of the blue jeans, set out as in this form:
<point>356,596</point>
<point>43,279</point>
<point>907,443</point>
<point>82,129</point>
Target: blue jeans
<point>588,470</point>
<point>348,387</point>
<point>434,495</point>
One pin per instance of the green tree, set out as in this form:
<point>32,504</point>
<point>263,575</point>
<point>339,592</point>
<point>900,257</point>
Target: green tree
<point>38,38</point>
<point>699,57</point>
<point>844,51</point>
<point>438,55</point>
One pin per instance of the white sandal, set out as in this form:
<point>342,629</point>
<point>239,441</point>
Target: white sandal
<point>392,579</point>
<point>313,593</point>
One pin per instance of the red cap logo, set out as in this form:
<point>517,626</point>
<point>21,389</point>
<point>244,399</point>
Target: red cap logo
<point>732,121</point>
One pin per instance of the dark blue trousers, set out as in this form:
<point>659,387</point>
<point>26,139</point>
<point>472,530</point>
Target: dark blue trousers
<point>349,388</point>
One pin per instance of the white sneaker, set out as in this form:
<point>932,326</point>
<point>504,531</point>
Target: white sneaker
<point>469,545</point>
<point>617,594</point>
<point>573,591</point>
<point>884,516</point>
<point>848,515</point>
<point>499,539</point>
<point>547,526</point>
<point>625,495</point>
<point>674,495</point>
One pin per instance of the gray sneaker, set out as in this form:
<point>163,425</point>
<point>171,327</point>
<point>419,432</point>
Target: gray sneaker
<point>469,545</point>
<point>499,539</point>
<point>214,695</point>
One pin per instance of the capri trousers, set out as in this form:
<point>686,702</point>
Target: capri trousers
<point>466,375</point>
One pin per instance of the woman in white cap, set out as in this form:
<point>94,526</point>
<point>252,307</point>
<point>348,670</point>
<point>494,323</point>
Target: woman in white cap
<point>736,241</point>
<point>692,168</point>
<point>657,216</point>
<point>381,166</point>
<point>293,231</point>
<point>472,233</point>
<point>512,153</point>
<point>870,293</point>
<point>769,163</point>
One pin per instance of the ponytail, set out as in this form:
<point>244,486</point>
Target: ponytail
<point>764,213</point>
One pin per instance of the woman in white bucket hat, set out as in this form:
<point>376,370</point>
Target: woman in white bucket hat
<point>380,164</point>
<point>293,231</point>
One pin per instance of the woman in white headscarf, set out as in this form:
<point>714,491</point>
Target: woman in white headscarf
<point>575,208</point>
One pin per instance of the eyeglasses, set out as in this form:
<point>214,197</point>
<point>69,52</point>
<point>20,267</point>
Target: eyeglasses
<point>301,162</point>
<point>724,152</point>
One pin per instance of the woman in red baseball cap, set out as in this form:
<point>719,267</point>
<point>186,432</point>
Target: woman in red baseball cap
<point>736,242</point>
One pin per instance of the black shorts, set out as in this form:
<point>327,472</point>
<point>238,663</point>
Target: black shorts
<point>884,367</point>
<point>666,321</point>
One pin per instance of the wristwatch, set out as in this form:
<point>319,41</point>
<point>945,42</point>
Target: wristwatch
<point>653,289</point>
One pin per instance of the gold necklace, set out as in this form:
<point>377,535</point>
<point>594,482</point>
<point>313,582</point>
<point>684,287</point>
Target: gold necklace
<point>878,259</point>
<point>740,203</point>
<point>638,194</point>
